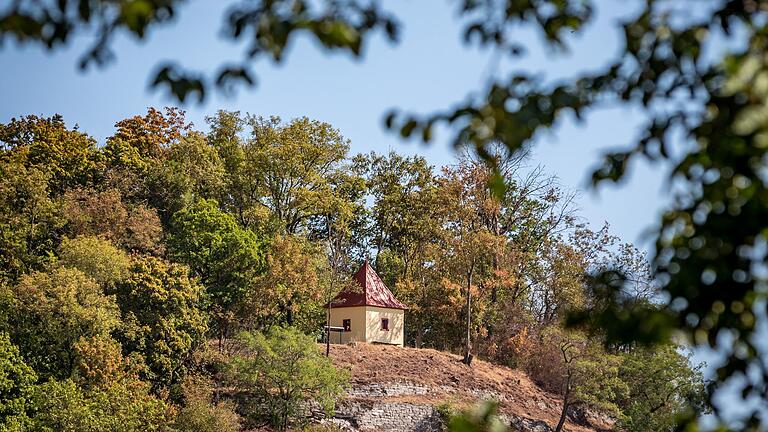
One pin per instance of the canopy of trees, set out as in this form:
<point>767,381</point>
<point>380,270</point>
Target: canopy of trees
<point>123,288</point>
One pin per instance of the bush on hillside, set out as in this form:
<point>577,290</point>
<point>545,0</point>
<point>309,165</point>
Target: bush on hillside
<point>200,413</point>
<point>283,373</point>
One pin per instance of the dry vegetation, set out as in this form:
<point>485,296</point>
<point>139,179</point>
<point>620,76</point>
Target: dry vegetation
<point>449,380</point>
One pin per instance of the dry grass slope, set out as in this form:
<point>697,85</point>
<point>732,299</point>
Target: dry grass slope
<point>449,380</point>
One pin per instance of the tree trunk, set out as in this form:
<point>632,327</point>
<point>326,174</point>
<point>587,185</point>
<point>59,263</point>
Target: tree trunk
<point>328,330</point>
<point>566,403</point>
<point>563,416</point>
<point>468,343</point>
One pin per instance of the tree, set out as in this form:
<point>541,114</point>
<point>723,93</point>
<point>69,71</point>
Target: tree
<point>406,210</point>
<point>289,168</point>
<point>67,158</point>
<point>16,386</point>
<point>55,310</point>
<point>290,284</point>
<point>136,159</point>
<point>162,320</point>
<point>105,393</point>
<point>663,387</point>
<point>470,246</point>
<point>105,214</point>
<point>96,258</point>
<point>141,139</point>
<point>28,218</point>
<point>191,170</point>
<point>123,407</point>
<point>281,372</point>
<point>226,258</point>
<point>241,193</point>
<point>578,370</point>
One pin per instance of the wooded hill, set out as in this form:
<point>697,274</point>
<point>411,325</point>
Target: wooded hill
<point>120,260</point>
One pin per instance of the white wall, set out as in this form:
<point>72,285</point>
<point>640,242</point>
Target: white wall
<point>373,331</point>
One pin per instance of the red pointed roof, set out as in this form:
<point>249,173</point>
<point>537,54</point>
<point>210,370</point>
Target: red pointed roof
<point>371,292</point>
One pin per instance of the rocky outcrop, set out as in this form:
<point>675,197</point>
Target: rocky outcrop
<point>371,408</point>
<point>400,389</point>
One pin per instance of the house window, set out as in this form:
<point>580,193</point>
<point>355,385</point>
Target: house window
<point>385,324</point>
<point>347,324</point>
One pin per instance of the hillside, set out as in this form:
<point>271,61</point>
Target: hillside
<point>428,377</point>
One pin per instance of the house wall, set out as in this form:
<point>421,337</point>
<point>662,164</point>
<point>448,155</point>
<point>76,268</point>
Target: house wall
<point>374,333</point>
<point>358,329</point>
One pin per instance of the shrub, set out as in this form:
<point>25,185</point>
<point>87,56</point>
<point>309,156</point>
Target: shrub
<point>282,372</point>
<point>200,413</point>
<point>63,406</point>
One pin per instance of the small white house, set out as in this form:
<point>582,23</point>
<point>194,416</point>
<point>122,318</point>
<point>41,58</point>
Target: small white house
<point>371,313</point>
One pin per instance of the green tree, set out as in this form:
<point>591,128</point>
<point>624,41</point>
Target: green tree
<point>96,258</point>
<point>29,218</point>
<point>162,319</point>
<point>406,206</point>
<point>226,257</point>
<point>16,386</point>
<point>290,166</point>
<point>52,311</point>
<point>191,170</point>
<point>580,371</point>
<point>63,406</point>
<point>663,387</point>
<point>281,372</point>
<point>67,157</point>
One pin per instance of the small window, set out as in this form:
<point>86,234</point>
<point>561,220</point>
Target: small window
<point>385,324</point>
<point>347,324</point>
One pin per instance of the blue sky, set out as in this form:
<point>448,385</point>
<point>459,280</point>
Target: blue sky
<point>429,69</point>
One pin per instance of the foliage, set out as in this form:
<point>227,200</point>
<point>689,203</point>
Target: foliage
<point>55,310</point>
<point>266,28</point>
<point>663,388</point>
<point>293,166</point>
<point>223,255</point>
<point>67,158</point>
<point>137,157</point>
<point>100,363</point>
<point>664,65</point>
<point>29,218</point>
<point>124,407</point>
<point>290,284</point>
<point>161,320</point>
<point>568,364</point>
<point>105,214</point>
<point>142,139</point>
<point>200,413</point>
<point>96,258</point>
<point>281,371</point>
<point>192,170</point>
<point>263,221</point>
<point>16,386</point>
<point>480,419</point>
